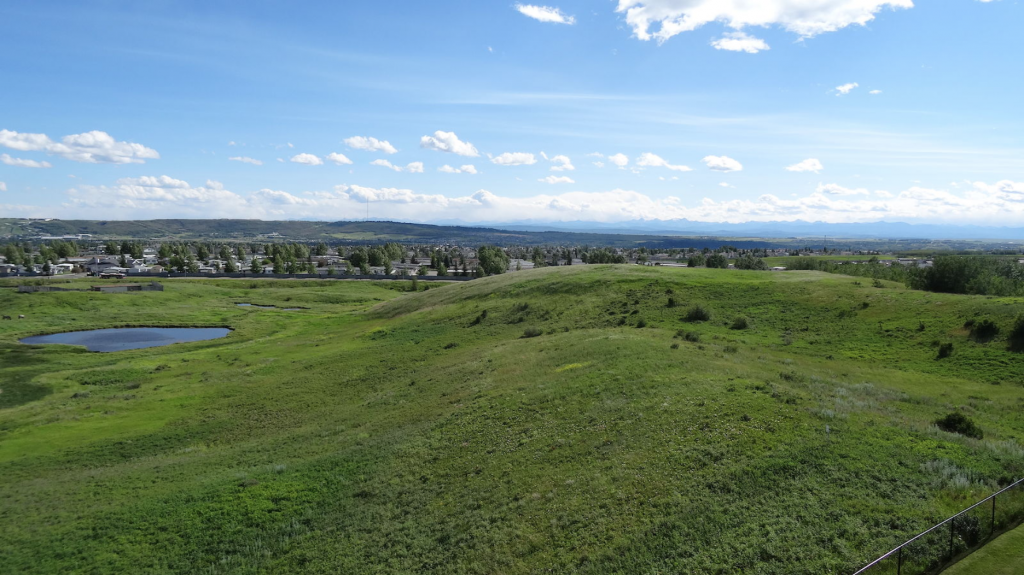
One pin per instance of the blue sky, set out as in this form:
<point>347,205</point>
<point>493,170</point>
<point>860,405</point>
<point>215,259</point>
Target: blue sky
<point>120,110</point>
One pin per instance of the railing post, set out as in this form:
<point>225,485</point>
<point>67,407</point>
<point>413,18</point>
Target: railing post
<point>950,539</point>
<point>992,529</point>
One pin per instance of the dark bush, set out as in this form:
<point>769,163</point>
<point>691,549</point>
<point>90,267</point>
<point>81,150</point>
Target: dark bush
<point>671,302</point>
<point>641,323</point>
<point>532,332</point>
<point>959,423</point>
<point>697,313</point>
<point>984,331</point>
<point>878,283</point>
<point>740,323</point>
<point>675,346</point>
<point>945,350</point>
<point>1016,336</point>
<point>451,345</point>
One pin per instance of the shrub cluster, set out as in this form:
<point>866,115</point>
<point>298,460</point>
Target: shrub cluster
<point>959,423</point>
<point>697,313</point>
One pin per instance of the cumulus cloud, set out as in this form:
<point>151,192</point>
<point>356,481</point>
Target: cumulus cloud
<point>514,159</point>
<point>3,187</point>
<point>448,142</point>
<point>649,160</point>
<point>307,159</point>
<point>246,160</point>
<point>23,163</point>
<point>562,164</point>
<point>808,165</point>
<point>465,169</point>
<point>545,14</point>
<point>338,158</point>
<point>998,203</point>
<point>414,167</point>
<point>740,42</point>
<point>557,180</point>
<point>663,19</point>
<point>875,92</point>
<point>837,190</point>
<point>846,88</point>
<point>722,164</point>
<point>370,144</point>
<point>93,147</point>
<point>620,160</point>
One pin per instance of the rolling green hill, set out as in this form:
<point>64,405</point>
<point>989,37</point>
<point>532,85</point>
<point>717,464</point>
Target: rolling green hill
<point>560,420</point>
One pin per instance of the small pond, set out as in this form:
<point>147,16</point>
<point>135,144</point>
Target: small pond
<point>268,307</point>
<point>120,339</point>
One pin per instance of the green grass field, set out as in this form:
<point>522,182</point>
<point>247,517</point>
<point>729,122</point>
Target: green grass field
<point>1002,556</point>
<point>383,431</point>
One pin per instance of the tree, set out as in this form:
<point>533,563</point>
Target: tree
<point>256,266</point>
<point>364,269</point>
<point>749,262</point>
<point>202,252</point>
<point>717,261</point>
<point>111,249</point>
<point>278,268</point>
<point>387,267</point>
<point>493,260</point>
<point>164,253</point>
<point>224,253</point>
<point>122,261</point>
<point>330,270</point>
<point>358,257</point>
<point>191,265</point>
<point>47,268</point>
<point>696,260</point>
<point>441,270</point>
<point>229,266</point>
<point>424,271</point>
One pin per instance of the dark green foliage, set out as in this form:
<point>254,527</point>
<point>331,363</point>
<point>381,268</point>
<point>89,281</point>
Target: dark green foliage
<point>984,331</point>
<point>696,260</point>
<point>749,262</point>
<point>641,323</point>
<point>740,323</point>
<point>1016,336</point>
<point>691,336</point>
<point>945,350</point>
<point>697,313</point>
<point>532,332</point>
<point>717,261</point>
<point>493,260</point>
<point>671,302</point>
<point>674,346</point>
<point>957,422</point>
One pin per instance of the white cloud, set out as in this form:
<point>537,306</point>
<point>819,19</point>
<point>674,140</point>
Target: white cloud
<point>307,159</point>
<point>875,92</point>
<point>563,164</point>
<point>620,160</point>
<point>806,18</point>
<point>557,180</point>
<point>740,42</point>
<point>93,147</point>
<point>465,169</point>
<point>448,142</point>
<point>599,164</point>
<point>3,187</point>
<point>414,167</point>
<point>999,203</point>
<point>722,164</point>
<point>514,159</point>
<point>649,160</point>
<point>725,185</point>
<point>232,143</point>
<point>22,163</point>
<point>846,88</point>
<point>545,14</point>
<point>246,160</point>
<point>338,158</point>
<point>808,165</point>
<point>370,144</point>
<point>837,190</point>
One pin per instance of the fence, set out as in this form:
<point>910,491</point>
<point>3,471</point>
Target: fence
<point>934,549</point>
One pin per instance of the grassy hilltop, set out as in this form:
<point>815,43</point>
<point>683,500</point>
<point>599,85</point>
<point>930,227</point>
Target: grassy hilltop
<point>381,431</point>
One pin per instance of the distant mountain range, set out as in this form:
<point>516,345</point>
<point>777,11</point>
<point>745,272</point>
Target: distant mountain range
<point>797,229</point>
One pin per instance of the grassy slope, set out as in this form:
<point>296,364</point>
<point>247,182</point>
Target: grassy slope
<point>1004,556</point>
<point>412,438</point>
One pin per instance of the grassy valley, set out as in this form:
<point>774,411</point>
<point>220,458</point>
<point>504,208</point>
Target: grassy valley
<point>584,419</point>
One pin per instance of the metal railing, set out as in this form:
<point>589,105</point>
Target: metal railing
<point>932,550</point>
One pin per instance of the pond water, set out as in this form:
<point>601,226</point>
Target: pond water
<point>120,339</point>
<point>268,307</point>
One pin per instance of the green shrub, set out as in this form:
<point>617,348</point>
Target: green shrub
<point>642,323</point>
<point>945,350</point>
<point>984,331</point>
<point>959,423</point>
<point>697,313</point>
<point>740,323</point>
<point>675,346</point>
<point>1016,336</point>
<point>671,302</point>
<point>532,332</point>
